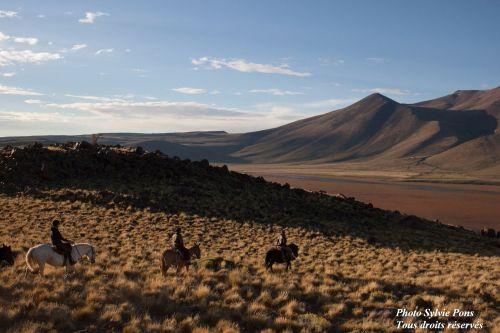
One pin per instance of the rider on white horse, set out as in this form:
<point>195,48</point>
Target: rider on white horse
<point>60,243</point>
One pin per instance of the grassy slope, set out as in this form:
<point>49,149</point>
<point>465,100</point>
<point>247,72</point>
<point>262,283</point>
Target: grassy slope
<point>355,268</point>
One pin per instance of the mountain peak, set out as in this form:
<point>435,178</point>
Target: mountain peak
<point>376,98</point>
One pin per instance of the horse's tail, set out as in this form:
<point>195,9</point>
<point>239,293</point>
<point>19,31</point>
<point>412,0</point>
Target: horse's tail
<point>164,267</point>
<point>30,261</point>
<point>267,262</point>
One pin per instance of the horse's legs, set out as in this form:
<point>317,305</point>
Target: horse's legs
<point>41,268</point>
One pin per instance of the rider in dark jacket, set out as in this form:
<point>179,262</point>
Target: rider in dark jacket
<point>282,245</point>
<point>178,245</point>
<point>60,243</point>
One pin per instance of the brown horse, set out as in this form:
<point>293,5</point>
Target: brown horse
<point>275,255</point>
<point>171,258</point>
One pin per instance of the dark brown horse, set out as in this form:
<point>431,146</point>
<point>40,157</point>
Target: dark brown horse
<point>6,256</point>
<point>275,255</point>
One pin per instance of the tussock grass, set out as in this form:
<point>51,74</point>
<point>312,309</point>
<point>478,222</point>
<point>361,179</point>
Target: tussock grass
<point>338,283</point>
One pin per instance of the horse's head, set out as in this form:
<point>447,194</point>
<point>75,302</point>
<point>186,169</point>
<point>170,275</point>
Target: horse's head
<point>86,251</point>
<point>295,249</point>
<point>91,255</point>
<point>196,251</point>
<point>7,255</point>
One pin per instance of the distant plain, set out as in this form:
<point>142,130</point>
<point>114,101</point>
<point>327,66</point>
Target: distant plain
<point>472,206</point>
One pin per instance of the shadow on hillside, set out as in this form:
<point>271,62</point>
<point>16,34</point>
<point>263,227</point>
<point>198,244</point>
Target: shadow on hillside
<point>376,227</point>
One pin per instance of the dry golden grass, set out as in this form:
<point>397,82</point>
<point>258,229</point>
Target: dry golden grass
<point>337,284</point>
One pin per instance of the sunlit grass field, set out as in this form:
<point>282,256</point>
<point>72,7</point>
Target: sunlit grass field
<point>338,282</point>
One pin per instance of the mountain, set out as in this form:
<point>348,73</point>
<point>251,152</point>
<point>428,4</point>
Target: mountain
<point>459,132</point>
<point>376,126</point>
<point>488,100</point>
<point>482,153</point>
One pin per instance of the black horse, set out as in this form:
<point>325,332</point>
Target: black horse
<point>275,255</point>
<point>6,256</point>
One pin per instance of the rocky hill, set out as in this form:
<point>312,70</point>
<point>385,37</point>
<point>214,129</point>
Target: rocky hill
<point>132,178</point>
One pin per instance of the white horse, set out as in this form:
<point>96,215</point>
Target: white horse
<point>44,254</point>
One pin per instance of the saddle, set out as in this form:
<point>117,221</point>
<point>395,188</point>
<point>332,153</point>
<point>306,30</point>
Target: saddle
<point>56,250</point>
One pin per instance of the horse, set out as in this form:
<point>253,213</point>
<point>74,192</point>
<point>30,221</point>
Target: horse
<point>275,255</point>
<point>45,254</point>
<point>170,258</point>
<point>6,256</point>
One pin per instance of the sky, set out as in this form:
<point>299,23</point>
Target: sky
<point>83,66</point>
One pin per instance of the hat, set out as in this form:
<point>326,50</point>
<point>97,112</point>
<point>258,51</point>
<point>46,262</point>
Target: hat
<point>55,223</point>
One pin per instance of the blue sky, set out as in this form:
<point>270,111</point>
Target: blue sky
<point>72,67</point>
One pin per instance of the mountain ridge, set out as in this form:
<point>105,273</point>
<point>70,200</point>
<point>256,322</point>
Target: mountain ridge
<point>458,132</point>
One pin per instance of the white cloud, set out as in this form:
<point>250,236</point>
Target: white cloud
<point>329,103</point>
<point>376,60</point>
<point>214,92</point>
<point>389,91</point>
<point>25,57</point>
<point>7,13</point>
<point>26,40</point>
<point>242,65</point>
<point>101,51</point>
<point>33,101</point>
<point>276,92</point>
<point>190,90</point>
<point>77,47</point>
<point>40,16</point>
<point>21,116</point>
<point>91,16</point>
<point>6,90</point>
<point>3,36</point>
<point>10,74</point>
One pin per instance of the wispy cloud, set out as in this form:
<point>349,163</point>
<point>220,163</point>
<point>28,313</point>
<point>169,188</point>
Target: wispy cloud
<point>242,65</point>
<point>8,57</point>
<point>190,90</point>
<point>329,103</point>
<point>388,91</point>
<point>101,51</point>
<point>96,98</point>
<point>74,48</point>
<point>33,101</point>
<point>377,60</point>
<point>331,62</point>
<point>9,74</point>
<point>276,92</point>
<point>6,90</point>
<point>26,40</point>
<point>91,16</point>
<point>77,47</point>
<point>7,13</point>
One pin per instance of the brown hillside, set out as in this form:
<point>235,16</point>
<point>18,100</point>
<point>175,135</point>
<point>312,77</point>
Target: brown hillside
<point>371,127</point>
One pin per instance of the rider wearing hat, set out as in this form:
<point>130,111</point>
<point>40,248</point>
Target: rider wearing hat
<point>60,243</point>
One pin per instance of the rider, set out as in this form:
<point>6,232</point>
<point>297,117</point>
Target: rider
<point>61,244</point>
<point>281,243</point>
<point>178,245</point>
